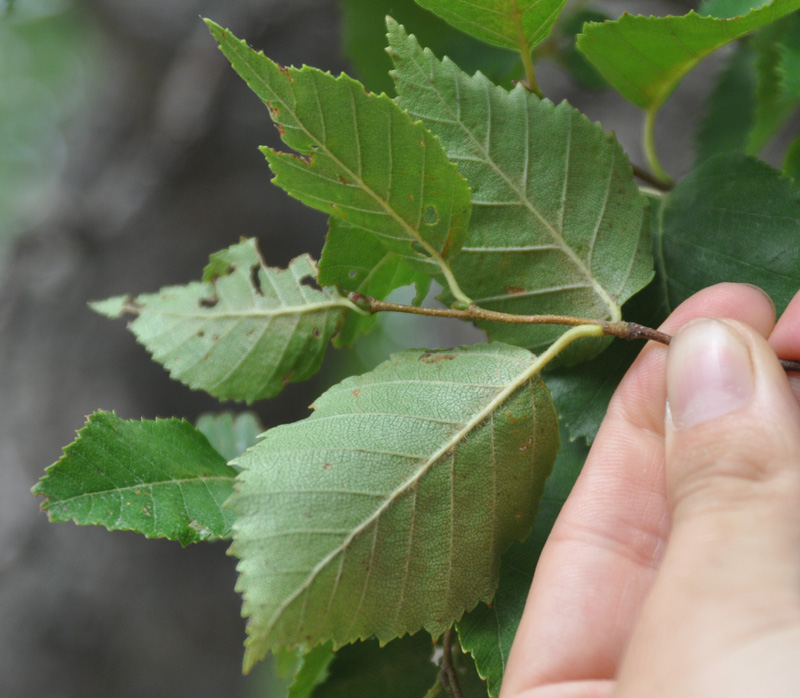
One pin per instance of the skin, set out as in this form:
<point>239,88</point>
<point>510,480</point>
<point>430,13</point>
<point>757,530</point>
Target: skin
<point>674,567</point>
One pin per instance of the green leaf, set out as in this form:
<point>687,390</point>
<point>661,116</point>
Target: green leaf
<point>387,510</point>
<point>313,671</point>
<point>733,218</point>
<point>774,104</point>
<point>582,393</point>
<point>362,158</point>
<point>230,436</point>
<point>728,9</point>
<point>402,669</point>
<point>789,67</point>
<point>364,44</point>
<point>488,631</point>
<point>557,216</point>
<point>161,478</point>
<point>354,260</point>
<point>244,331</point>
<point>731,108</point>
<point>513,24</point>
<point>644,58</point>
<point>791,163</point>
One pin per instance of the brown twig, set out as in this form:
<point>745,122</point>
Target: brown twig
<point>651,179</point>
<point>449,675</point>
<point>621,329</point>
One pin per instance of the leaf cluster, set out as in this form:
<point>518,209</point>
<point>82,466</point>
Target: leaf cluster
<point>416,498</point>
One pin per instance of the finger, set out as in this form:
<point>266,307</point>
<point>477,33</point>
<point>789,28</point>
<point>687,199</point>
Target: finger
<point>600,558</point>
<point>731,573</point>
<point>785,339</point>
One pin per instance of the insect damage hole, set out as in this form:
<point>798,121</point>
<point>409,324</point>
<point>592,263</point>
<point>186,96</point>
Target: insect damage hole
<point>431,215</point>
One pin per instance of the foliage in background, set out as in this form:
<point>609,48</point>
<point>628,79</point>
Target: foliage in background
<point>393,509</point>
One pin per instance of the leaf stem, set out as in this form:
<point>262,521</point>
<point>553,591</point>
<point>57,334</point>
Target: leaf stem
<point>448,674</point>
<point>651,179</point>
<point>621,329</point>
<point>650,149</point>
<point>530,75</point>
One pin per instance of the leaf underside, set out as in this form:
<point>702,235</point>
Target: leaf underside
<point>387,509</point>
<point>243,332</point>
<point>361,158</point>
<point>512,24</point>
<point>736,219</point>
<point>556,213</point>
<point>161,478</point>
<point>644,58</point>
<point>354,260</point>
<point>488,631</point>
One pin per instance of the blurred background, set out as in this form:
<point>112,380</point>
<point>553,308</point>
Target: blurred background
<point>128,154</point>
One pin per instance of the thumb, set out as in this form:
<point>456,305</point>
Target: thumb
<point>729,582</point>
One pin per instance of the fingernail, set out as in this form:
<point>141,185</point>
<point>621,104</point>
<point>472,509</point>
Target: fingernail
<point>709,373</point>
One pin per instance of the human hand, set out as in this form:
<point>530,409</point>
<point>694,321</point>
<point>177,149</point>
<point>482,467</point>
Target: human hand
<point>674,567</point>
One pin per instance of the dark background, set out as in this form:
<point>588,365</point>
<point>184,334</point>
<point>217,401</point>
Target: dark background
<point>158,168</point>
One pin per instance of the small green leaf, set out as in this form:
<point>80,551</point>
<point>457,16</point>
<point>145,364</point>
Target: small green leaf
<point>488,631</point>
<point>556,213</point>
<point>774,103</point>
<point>363,43</point>
<point>354,260</point>
<point>230,436</point>
<point>242,333</point>
<point>644,58</point>
<point>731,108</point>
<point>733,218</point>
<point>791,163</point>
<point>789,67</point>
<point>313,671</point>
<point>401,669</point>
<point>161,478</point>
<point>387,510</point>
<point>512,24</point>
<point>361,158</point>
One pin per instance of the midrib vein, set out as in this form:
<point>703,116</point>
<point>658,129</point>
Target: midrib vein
<point>521,195</point>
<point>414,234</point>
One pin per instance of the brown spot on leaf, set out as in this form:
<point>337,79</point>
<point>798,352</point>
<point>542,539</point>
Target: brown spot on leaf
<point>356,392</point>
<point>209,302</point>
<point>513,290</point>
<point>430,357</point>
<point>526,445</point>
<point>327,466</point>
<point>316,332</point>
<point>342,179</point>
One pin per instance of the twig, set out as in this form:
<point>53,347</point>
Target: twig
<point>448,670</point>
<point>651,179</point>
<point>621,329</point>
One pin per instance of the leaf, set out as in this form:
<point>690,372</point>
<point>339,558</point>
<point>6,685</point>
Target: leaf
<point>582,393</point>
<point>644,58</point>
<point>161,478</point>
<point>789,67</point>
<point>402,669</point>
<point>488,631</point>
<point>361,158</point>
<point>387,509</point>
<point>354,260</point>
<point>230,436</point>
<point>791,163</point>
<point>313,671</point>
<point>513,24</point>
<point>733,218</point>
<point>364,43</point>
<point>557,216</point>
<point>244,331</point>
<point>774,104</point>
<point>731,108</point>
